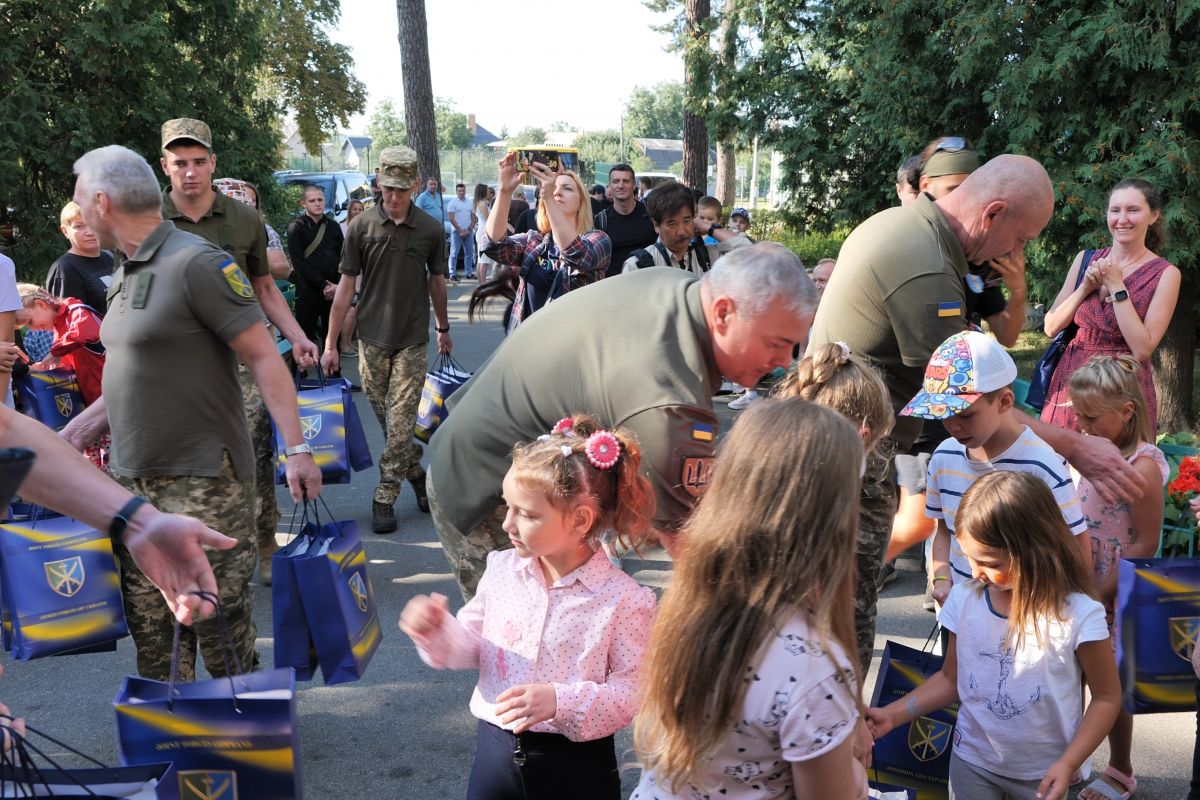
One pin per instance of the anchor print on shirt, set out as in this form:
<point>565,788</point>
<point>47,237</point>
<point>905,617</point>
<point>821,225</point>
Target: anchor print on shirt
<point>1002,705</point>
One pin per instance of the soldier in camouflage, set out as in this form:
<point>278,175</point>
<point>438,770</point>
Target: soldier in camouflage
<point>398,249</point>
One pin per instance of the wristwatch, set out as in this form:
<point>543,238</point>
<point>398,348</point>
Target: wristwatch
<point>1118,296</point>
<point>298,449</point>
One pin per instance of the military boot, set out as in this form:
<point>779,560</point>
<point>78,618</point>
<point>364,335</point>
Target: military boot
<point>383,517</point>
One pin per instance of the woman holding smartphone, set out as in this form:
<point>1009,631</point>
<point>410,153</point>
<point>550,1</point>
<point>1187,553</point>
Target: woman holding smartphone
<point>564,253</point>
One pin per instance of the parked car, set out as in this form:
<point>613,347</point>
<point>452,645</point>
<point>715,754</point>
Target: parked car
<point>341,187</point>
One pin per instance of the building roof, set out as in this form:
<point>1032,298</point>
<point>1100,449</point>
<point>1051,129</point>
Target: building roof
<point>483,136</point>
<point>359,142</point>
<point>665,153</point>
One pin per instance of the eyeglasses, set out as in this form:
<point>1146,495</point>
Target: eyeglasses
<point>953,144</point>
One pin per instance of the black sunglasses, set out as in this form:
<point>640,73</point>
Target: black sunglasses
<point>953,144</point>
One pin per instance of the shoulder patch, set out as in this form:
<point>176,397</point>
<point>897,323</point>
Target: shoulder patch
<point>236,279</point>
<point>695,474</point>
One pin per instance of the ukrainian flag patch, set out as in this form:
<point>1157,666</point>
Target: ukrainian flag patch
<point>952,309</point>
<point>703,432</point>
<point>236,279</point>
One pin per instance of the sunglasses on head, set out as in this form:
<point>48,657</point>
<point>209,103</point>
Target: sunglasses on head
<point>953,144</point>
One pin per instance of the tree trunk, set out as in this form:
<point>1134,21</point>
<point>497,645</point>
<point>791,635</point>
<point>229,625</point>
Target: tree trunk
<point>727,172</point>
<point>698,84</point>
<point>419,118</point>
<point>1174,364</point>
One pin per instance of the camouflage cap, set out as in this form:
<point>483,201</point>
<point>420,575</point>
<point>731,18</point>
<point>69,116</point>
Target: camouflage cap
<point>185,128</point>
<point>398,167</point>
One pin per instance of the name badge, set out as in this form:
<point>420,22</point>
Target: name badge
<point>141,292</point>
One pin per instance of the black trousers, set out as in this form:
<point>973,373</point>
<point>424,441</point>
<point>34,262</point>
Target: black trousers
<point>552,767</point>
<point>312,313</point>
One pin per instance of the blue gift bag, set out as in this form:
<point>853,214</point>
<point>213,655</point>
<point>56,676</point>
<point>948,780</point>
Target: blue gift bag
<point>331,426</point>
<point>1157,618</point>
<point>914,756</point>
<point>293,640</point>
<point>886,791</point>
<point>51,397</point>
<point>446,378</point>
<point>61,590</point>
<point>227,737</point>
<point>338,601</point>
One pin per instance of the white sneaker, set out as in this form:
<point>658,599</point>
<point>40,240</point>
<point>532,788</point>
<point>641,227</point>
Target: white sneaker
<point>746,399</point>
<point>728,387</point>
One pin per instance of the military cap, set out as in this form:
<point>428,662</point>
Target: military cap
<point>398,167</point>
<point>185,128</point>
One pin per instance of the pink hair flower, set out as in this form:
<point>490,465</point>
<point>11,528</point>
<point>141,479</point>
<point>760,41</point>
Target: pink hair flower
<point>564,425</point>
<point>602,449</point>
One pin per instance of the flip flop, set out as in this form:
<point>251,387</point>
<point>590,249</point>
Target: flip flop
<point>1107,791</point>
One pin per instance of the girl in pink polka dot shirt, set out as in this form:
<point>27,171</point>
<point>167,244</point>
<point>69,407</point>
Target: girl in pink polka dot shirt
<point>556,631</point>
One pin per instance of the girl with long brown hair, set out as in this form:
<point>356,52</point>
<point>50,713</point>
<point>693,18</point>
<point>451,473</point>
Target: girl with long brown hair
<point>751,688</point>
<point>1025,632</point>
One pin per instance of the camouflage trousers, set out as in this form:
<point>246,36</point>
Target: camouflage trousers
<point>467,552</point>
<point>877,508</point>
<point>223,503</point>
<point>265,508</point>
<point>392,381</point>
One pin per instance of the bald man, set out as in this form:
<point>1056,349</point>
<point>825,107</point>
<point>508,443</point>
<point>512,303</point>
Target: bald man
<point>900,293</point>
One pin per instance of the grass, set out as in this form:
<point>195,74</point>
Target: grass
<point>1028,349</point>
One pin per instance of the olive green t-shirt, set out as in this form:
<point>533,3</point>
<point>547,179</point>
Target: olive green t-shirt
<point>896,295</point>
<point>395,262</point>
<point>232,226</point>
<point>170,377</point>
<point>633,351</point>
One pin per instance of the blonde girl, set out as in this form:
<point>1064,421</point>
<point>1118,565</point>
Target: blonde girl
<point>831,375</point>
<point>556,632</point>
<point>1108,401</point>
<point>751,690</point>
<point>1024,633</point>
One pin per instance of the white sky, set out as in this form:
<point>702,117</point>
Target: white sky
<point>555,83</point>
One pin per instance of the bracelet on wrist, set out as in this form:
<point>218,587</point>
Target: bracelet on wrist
<point>442,330</point>
<point>937,578</point>
<point>120,520</point>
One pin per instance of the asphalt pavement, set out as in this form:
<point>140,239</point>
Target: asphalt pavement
<point>404,730</point>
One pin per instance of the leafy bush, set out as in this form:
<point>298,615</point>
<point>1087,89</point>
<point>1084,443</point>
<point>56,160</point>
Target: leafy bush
<point>776,226</point>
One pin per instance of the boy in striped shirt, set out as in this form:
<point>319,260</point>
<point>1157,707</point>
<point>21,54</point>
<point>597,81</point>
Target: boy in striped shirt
<point>968,386</point>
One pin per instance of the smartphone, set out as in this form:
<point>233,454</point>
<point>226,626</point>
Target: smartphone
<point>547,157</point>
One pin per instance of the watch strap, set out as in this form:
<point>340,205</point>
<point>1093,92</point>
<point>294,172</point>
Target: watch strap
<point>120,521</point>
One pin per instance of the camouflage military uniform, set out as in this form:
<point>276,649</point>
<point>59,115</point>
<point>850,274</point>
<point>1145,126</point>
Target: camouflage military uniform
<point>392,381</point>
<point>468,552</point>
<point>877,507</point>
<point>222,503</point>
<point>266,511</point>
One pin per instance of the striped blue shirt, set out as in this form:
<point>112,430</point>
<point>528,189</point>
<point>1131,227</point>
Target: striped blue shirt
<point>952,471</point>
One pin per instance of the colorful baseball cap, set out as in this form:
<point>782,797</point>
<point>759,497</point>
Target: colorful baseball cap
<point>963,368</point>
<point>740,212</point>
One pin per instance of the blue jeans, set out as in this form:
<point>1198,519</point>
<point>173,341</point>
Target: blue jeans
<point>467,245</point>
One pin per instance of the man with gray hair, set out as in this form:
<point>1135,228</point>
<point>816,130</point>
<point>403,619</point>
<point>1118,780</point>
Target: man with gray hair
<point>181,313</point>
<point>671,337</point>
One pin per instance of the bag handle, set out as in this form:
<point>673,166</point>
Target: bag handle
<point>21,747</point>
<point>227,650</point>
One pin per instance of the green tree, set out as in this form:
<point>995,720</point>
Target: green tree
<point>527,136</point>
<point>655,112</point>
<point>452,130</point>
<point>312,75</point>
<point>386,128</point>
<point>847,89</point>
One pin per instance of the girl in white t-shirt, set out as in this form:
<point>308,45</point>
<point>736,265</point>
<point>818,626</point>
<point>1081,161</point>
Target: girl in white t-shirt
<point>750,690</point>
<point>1023,634</point>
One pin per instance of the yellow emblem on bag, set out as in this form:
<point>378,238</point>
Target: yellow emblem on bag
<point>208,785</point>
<point>358,588</point>
<point>237,279</point>
<point>64,405</point>
<point>928,738</point>
<point>66,577</point>
<point>1183,632</point>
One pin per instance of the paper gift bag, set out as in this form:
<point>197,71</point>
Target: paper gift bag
<point>917,755</point>
<point>443,380</point>
<point>227,737</point>
<point>150,782</point>
<point>1157,618</point>
<point>61,589</point>
<point>331,426</point>
<point>293,640</point>
<point>339,602</point>
<point>886,791</point>
<point>51,397</point>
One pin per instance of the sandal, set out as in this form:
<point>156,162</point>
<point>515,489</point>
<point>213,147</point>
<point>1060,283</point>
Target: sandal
<point>1105,790</point>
